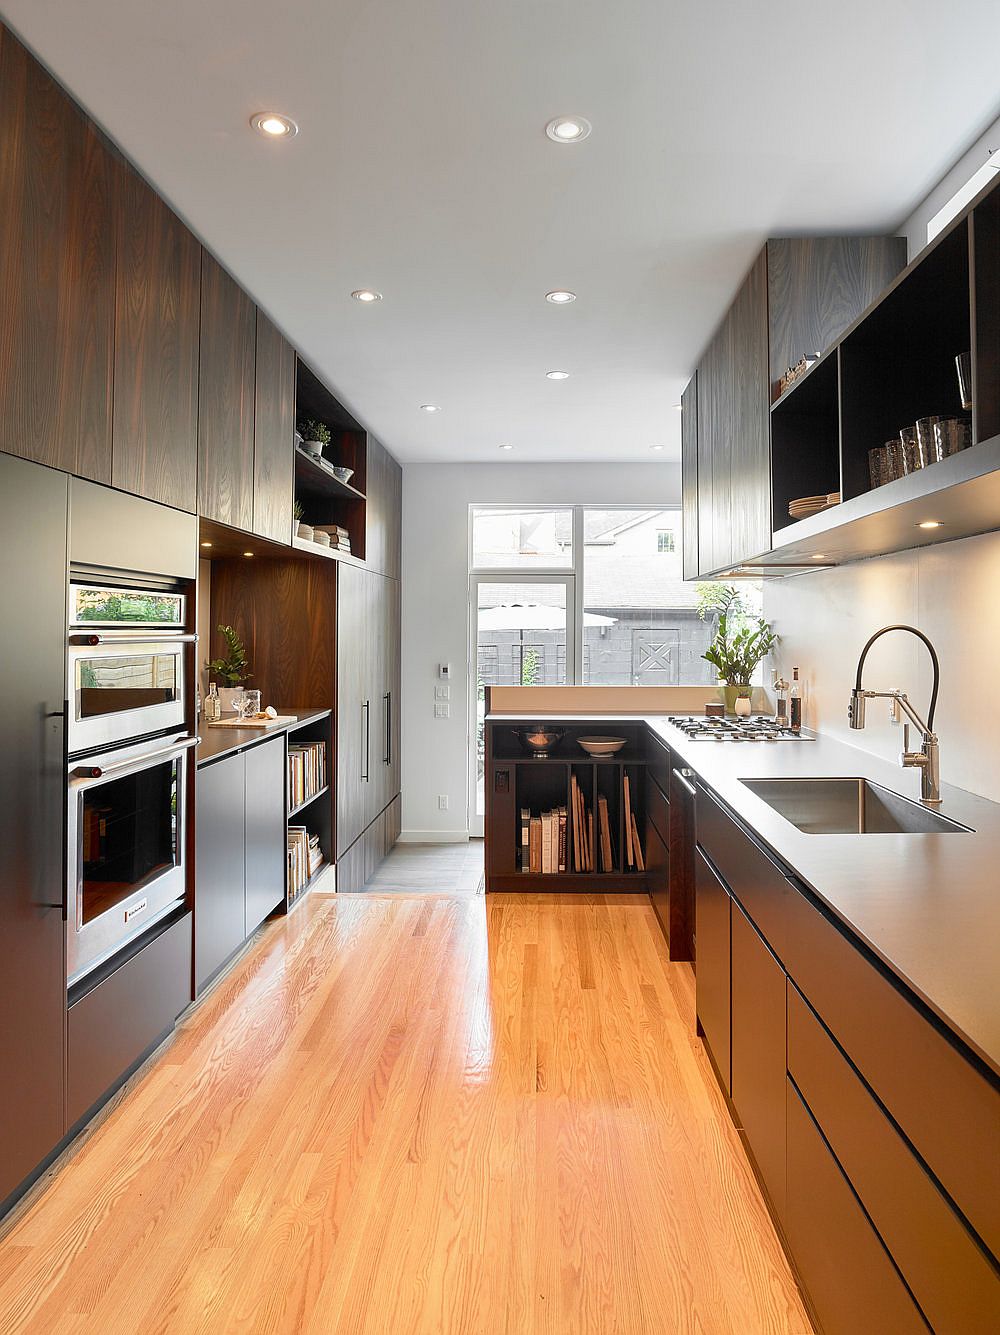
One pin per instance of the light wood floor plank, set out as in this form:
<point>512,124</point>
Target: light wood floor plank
<point>425,1114</point>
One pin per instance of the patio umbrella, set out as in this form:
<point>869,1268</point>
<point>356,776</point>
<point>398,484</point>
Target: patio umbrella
<point>533,616</point>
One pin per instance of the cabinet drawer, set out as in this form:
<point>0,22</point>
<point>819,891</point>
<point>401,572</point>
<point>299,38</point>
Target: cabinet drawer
<point>712,968</point>
<point>113,1025</point>
<point>657,808</point>
<point>658,762</point>
<point>848,1274</point>
<point>948,1273</point>
<point>944,1105</point>
<point>757,882</point>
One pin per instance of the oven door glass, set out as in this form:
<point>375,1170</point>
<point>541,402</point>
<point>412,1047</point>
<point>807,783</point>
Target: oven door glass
<point>126,681</point>
<point>94,605</point>
<point>128,837</point>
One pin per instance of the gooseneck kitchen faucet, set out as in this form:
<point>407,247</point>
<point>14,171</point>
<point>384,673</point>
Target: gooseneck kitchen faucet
<point>927,759</point>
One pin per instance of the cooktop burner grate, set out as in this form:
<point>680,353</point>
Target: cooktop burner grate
<point>754,728</point>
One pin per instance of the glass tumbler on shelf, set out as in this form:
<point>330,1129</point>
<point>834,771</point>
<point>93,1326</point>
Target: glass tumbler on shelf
<point>909,449</point>
<point>878,465</point>
<point>951,434</point>
<point>925,440</point>
<point>963,365</point>
<point>894,459</point>
<point>251,704</point>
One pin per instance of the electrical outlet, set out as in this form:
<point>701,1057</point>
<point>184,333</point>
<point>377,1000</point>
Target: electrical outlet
<point>442,711</point>
<point>442,801</point>
<point>442,692</point>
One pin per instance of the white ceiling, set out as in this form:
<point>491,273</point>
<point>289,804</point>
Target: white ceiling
<point>422,170</point>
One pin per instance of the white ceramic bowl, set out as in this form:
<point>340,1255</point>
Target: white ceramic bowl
<point>602,746</point>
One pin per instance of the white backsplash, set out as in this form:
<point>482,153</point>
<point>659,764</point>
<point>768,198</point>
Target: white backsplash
<point>950,592</point>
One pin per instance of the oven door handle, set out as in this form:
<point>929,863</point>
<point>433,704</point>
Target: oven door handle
<point>92,638</point>
<point>135,762</point>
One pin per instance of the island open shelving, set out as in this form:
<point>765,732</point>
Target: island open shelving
<point>314,812</point>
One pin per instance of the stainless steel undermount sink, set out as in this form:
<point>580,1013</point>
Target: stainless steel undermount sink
<point>849,806</point>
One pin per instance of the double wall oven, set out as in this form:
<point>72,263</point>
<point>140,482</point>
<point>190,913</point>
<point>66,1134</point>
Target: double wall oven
<point>130,660</point>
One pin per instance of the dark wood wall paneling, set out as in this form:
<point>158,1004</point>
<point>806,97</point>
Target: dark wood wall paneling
<point>57,265</point>
<point>226,398</point>
<point>689,476</point>
<point>157,315</point>
<point>384,507</point>
<point>750,459</point>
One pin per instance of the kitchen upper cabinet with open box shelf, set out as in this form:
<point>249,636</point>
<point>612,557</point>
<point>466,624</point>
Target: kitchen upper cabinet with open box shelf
<point>889,361</point>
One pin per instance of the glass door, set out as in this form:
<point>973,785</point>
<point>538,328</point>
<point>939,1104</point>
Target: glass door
<point>522,634</point>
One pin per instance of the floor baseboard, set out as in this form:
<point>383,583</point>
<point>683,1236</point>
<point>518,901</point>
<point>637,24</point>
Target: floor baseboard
<point>433,837</point>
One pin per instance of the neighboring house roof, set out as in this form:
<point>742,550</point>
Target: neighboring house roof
<point>613,581</point>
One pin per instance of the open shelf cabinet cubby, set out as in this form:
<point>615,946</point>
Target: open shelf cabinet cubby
<point>324,498</point>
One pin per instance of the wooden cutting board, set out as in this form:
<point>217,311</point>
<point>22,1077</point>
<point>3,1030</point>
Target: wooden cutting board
<point>253,722</point>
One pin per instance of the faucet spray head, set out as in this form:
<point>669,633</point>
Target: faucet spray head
<point>856,710</point>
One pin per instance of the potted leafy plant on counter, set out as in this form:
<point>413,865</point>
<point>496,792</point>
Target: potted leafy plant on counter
<point>231,672</point>
<point>315,436</point>
<point>741,640</point>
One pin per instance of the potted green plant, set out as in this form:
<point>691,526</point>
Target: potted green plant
<point>231,672</point>
<point>315,435</point>
<point>741,640</point>
<point>302,529</point>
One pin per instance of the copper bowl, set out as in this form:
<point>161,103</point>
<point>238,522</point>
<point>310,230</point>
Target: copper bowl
<point>539,741</point>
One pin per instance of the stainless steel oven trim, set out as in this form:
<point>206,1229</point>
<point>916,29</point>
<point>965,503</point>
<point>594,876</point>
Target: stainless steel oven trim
<point>89,946</point>
<point>85,734</point>
<point>89,639</point>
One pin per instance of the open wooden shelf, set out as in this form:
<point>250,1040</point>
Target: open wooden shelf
<point>309,801</point>
<point>324,499</point>
<point>311,478</point>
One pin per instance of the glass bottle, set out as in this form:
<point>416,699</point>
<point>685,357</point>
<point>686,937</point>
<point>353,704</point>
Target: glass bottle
<point>213,705</point>
<point>795,703</point>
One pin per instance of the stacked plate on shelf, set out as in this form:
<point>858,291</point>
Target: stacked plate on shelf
<point>812,505</point>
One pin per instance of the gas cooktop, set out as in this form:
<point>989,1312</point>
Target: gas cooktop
<point>757,728</point>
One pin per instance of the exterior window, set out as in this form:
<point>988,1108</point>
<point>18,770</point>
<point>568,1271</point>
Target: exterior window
<point>665,540</point>
<point>522,538</point>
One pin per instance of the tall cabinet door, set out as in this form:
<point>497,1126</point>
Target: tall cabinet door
<point>354,705</point>
<point>226,399</point>
<point>57,267</point>
<point>689,477</point>
<point>33,514</point>
<point>391,685</point>
<point>384,518</point>
<point>157,318</point>
<point>274,433</point>
<point>750,425</point>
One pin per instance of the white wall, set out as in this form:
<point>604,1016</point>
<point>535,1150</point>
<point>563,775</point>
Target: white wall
<point>915,226</point>
<point>949,592</point>
<point>435,617</point>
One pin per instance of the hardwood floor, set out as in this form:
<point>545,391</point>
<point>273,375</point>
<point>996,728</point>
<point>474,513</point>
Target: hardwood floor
<point>452,1115</point>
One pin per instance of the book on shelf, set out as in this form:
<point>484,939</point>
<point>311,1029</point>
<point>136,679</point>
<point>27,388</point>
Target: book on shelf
<point>306,772</point>
<point>542,841</point>
<point>305,857</point>
<point>524,852</point>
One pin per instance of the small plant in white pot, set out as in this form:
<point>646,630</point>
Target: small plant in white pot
<point>315,436</point>
<point>302,529</point>
<point>740,642</point>
<point>231,672</point>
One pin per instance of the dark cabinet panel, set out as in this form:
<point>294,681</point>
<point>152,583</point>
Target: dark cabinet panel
<point>758,1052</point>
<point>226,398</point>
<point>848,1275</point>
<point>274,433</point>
<point>689,478</point>
<point>708,443</point>
<point>681,842</point>
<point>384,519</point>
<point>157,316</point>
<point>33,506</point>
<point>118,1021</point>
<point>819,285</point>
<point>947,1271</point>
<point>658,871</point>
<point>749,426</point>
<point>354,704</point>
<point>264,849</point>
<point>57,239</point>
<point>388,656</point>
<point>712,953</point>
<point>219,922</point>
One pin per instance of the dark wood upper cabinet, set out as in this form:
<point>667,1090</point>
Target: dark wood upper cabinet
<point>819,285</point>
<point>274,433</point>
<point>57,240</point>
<point>157,314</point>
<point>226,398</point>
<point>689,476</point>
<point>748,427</point>
<point>384,511</point>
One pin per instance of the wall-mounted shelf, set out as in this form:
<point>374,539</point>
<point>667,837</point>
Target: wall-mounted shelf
<point>323,498</point>
<point>312,477</point>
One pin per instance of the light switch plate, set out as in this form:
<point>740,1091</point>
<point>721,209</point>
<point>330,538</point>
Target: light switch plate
<point>442,692</point>
<point>442,711</point>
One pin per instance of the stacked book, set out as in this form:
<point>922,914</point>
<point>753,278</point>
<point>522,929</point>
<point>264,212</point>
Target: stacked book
<point>306,772</point>
<point>305,857</point>
<point>543,841</point>
<point>340,538</point>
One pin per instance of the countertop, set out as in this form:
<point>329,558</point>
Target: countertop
<point>928,905</point>
<point>218,742</point>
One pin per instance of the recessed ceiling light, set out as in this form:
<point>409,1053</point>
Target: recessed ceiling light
<point>206,544</point>
<point>560,297</point>
<point>430,407</point>
<point>557,375</point>
<point>248,553</point>
<point>819,556</point>
<point>274,126</point>
<point>505,447</point>
<point>657,447</point>
<point>568,129</point>
<point>366,294</point>
<point>679,407</point>
<point>930,523</point>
